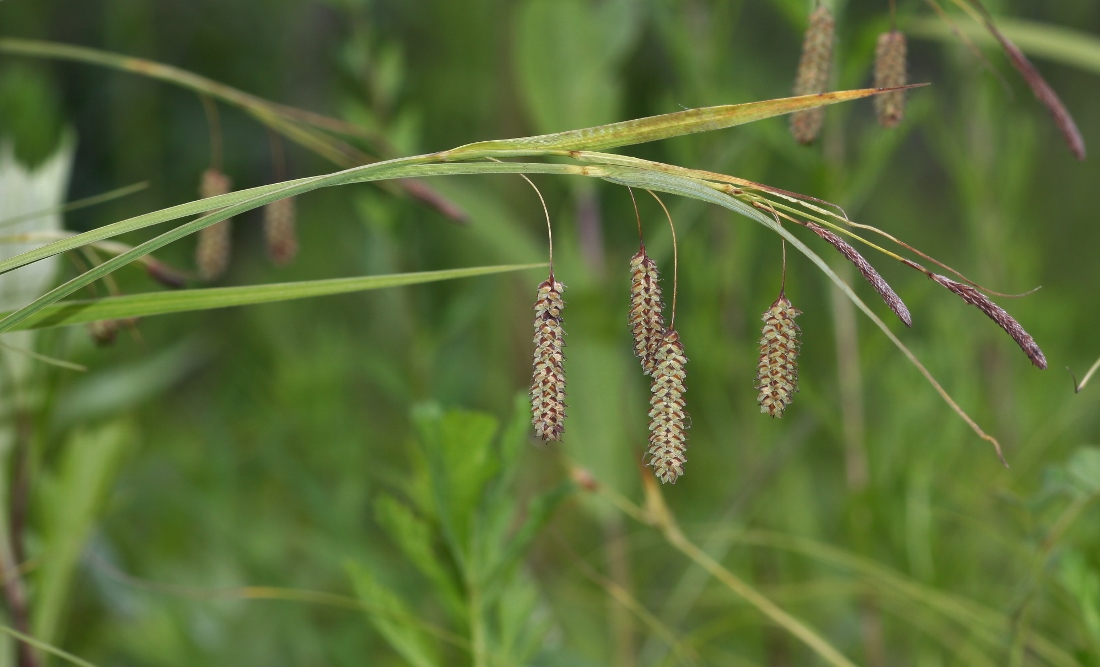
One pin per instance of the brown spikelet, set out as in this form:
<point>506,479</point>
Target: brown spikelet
<point>668,421</point>
<point>814,69</point>
<point>647,320</point>
<point>998,315</point>
<point>777,371</point>
<point>548,375</point>
<point>104,332</point>
<point>212,253</point>
<point>893,301</point>
<point>280,231</point>
<point>890,72</point>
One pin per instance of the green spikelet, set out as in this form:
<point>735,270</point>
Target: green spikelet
<point>890,72</point>
<point>212,253</point>
<point>280,231</point>
<point>777,371</point>
<point>814,69</point>
<point>548,374</point>
<point>668,421</point>
<point>647,321</point>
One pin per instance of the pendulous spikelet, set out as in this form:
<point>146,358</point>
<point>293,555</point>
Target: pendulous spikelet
<point>777,371</point>
<point>647,321</point>
<point>998,315</point>
<point>867,271</point>
<point>668,421</point>
<point>280,231</point>
<point>814,69</point>
<point>212,253</point>
<point>890,72</point>
<point>548,375</point>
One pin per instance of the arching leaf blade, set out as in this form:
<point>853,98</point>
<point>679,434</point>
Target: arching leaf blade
<point>161,303</point>
<point>665,126</point>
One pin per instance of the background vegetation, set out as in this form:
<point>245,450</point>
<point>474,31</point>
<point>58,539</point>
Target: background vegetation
<point>251,485</point>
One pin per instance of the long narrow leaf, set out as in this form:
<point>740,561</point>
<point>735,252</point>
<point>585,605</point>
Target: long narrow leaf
<point>410,167</point>
<point>394,169</point>
<point>161,303</point>
<point>664,126</point>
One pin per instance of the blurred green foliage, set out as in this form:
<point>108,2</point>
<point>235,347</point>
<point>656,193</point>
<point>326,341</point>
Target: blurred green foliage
<point>370,446</point>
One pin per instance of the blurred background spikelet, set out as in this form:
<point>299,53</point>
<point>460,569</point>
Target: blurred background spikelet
<point>814,69</point>
<point>647,321</point>
<point>548,375</point>
<point>777,370</point>
<point>280,231</point>
<point>668,420</point>
<point>212,253</point>
<point>890,72</point>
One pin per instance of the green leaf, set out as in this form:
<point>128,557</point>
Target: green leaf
<point>1083,583</point>
<point>1083,470</point>
<point>655,128</point>
<point>403,168</point>
<point>160,303</point>
<point>409,642</point>
<point>414,536</point>
<point>539,511</point>
<point>71,506</point>
<point>458,447</point>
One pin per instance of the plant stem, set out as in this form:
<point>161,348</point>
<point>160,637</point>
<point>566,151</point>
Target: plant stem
<point>478,642</point>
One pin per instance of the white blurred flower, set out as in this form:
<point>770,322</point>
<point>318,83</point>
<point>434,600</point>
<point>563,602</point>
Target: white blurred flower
<point>23,192</point>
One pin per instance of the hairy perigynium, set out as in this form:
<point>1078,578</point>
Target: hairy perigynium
<point>647,320</point>
<point>212,253</point>
<point>890,72</point>
<point>777,370</point>
<point>814,69</point>
<point>667,418</point>
<point>548,375</point>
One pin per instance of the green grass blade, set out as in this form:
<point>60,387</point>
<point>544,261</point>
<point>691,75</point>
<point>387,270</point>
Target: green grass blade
<point>654,128</point>
<point>240,201</point>
<point>78,204</point>
<point>1055,43</point>
<point>161,303</point>
<point>139,222</point>
<point>43,646</point>
<point>406,167</point>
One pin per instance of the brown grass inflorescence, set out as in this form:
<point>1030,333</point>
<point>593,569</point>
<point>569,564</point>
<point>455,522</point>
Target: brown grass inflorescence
<point>647,321</point>
<point>214,248</point>
<point>280,231</point>
<point>548,374</point>
<point>668,421</point>
<point>890,72</point>
<point>777,370</point>
<point>814,70</point>
<point>998,315</point>
<point>893,301</point>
